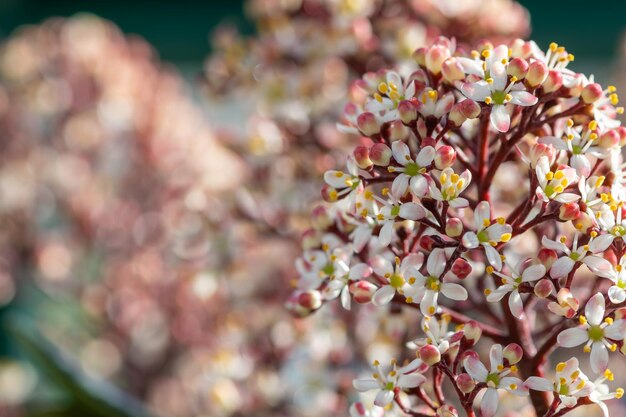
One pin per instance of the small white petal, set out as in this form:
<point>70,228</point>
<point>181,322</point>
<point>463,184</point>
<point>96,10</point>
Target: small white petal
<point>594,310</point>
<point>454,291</point>
<point>572,337</point>
<point>599,357</point>
<point>383,295</point>
<point>539,384</point>
<point>500,118</point>
<point>561,267</point>
<point>489,403</point>
<point>384,398</point>
<point>363,385</point>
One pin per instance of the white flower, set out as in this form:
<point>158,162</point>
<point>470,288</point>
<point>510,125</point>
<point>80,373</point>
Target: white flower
<point>396,275</point>
<point>358,410</point>
<point>437,334</point>
<point>431,104</point>
<point>609,218</point>
<point>596,332</point>
<point>425,289</point>
<point>617,292</point>
<point>602,392</point>
<point>338,285</point>
<point>488,234</point>
<point>344,183</point>
<point>557,58</point>
<point>493,89</point>
<point>412,171</point>
<point>552,184</point>
<point>585,254</point>
<point>569,383</point>
<point>390,92</point>
<point>496,378</point>
<point>451,185</point>
<point>317,265</point>
<point>511,284</point>
<point>386,380</point>
<point>578,144</point>
<point>566,304</point>
<point>390,211</point>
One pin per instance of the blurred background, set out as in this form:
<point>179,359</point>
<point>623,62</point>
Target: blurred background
<point>151,197</point>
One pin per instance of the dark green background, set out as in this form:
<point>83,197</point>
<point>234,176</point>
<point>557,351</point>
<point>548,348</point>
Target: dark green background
<point>179,29</point>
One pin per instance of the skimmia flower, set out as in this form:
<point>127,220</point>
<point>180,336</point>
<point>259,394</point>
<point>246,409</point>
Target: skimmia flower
<point>601,391</point>
<point>396,275</point>
<point>599,334</point>
<point>411,171</point>
<point>570,383</point>
<point>586,254</point>
<point>552,184</point>
<point>451,185</point>
<point>512,282</point>
<point>437,334</point>
<point>617,292</point>
<point>425,289</point>
<point>488,234</point>
<point>495,378</point>
<point>385,380</point>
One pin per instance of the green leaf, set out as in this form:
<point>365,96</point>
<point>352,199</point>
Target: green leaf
<point>97,398</point>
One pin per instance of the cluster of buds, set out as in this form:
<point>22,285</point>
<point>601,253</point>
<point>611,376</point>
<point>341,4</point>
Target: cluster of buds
<point>488,192</point>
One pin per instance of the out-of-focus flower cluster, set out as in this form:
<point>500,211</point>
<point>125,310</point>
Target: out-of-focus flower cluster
<point>486,200</point>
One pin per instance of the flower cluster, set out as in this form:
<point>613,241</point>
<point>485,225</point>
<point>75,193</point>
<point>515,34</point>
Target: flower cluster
<point>488,191</point>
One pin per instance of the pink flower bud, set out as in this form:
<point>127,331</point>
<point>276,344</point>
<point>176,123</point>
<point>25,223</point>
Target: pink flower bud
<point>569,211</point>
<point>461,268</point>
<point>358,410</point>
<point>452,70</point>
<point>427,243</point>
<point>380,154</point>
<point>620,313</point>
<point>472,332</point>
<point>544,288</point>
<point>609,139</point>
<point>591,93</point>
<point>521,49</point>
<point>362,291</point>
<point>517,68</point>
<point>407,112</point>
<point>513,353</point>
<point>367,124</point>
<point>465,383</point>
<point>537,73</point>
<point>434,58</point>
<point>553,82</point>
<point>429,354</point>
<point>362,157</point>
<point>547,257</point>
<point>420,56</point>
<point>445,157</point>
<point>622,135</point>
<point>454,227</point>
<point>320,218</point>
<point>466,109</point>
<point>398,131</point>
<point>447,411</point>
<point>583,222</point>
<point>310,239</point>
<point>540,150</point>
<point>310,300</point>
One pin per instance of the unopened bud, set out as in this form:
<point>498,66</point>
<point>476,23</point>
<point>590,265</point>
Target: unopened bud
<point>397,131</point>
<point>380,154</point>
<point>454,227</point>
<point>547,257</point>
<point>609,139</point>
<point>569,211</point>
<point>539,150</point>
<point>452,70</point>
<point>420,56</point>
<point>466,109</point>
<point>407,112</point>
<point>521,49</point>
<point>362,157</point>
<point>445,157</point>
<point>427,243</point>
<point>329,194</point>
<point>310,300</point>
<point>622,135</point>
<point>537,73</point>
<point>434,58</point>
<point>591,93</point>
<point>362,291</point>
<point>583,222</point>
<point>320,218</point>
<point>544,288</point>
<point>461,268</point>
<point>309,239</point>
<point>465,383</point>
<point>472,332</point>
<point>367,124</point>
<point>513,353</point>
<point>358,410</point>
<point>517,68</point>
<point>429,354</point>
<point>553,81</point>
<point>447,411</point>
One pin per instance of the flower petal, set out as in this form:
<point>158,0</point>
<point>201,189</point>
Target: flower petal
<point>489,403</point>
<point>561,267</point>
<point>500,118</point>
<point>539,384</point>
<point>384,398</point>
<point>475,368</point>
<point>363,385</point>
<point>572,337</point>
<point>383,295</point>
<point>454,291</point>
<point>599,360</point>
<point>594,310</point>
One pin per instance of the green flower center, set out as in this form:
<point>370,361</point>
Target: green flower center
<point>596,333</point>
<point>493,380</point>
<point>564,390</point>
<point>574,255</point>
<point>498,97</point>
<point>389,386</point>
<point>549,190</point>
<point>397,281</point>
<point>395,210</point>
<point>329,269</point>
<point>618,230</point>
<point>577,150</point>
<point>432,283</point>
<point>483,236</point>
<point>412,169</point>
